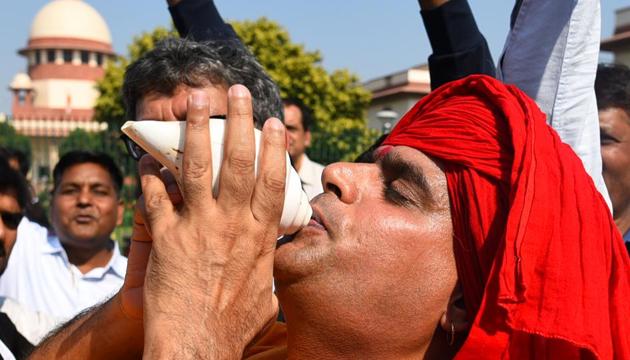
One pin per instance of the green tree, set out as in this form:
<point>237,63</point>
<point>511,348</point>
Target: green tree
<point>80,139</point>
<point>9,138</point>
<point>336,98</point>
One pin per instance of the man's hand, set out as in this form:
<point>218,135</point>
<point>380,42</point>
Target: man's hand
<point>208,286</point>
<point>424,4</point>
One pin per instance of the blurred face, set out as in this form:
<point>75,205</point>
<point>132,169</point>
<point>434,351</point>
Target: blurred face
<point>379,245</point>
<point>299,139</point>
<point>11,214</point>
<point>173,107</point>
<point>614,126</point>
<point>85,206</point>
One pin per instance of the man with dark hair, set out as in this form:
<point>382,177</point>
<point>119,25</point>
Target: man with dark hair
<point>612,88</point>
<point>298,119</point>
<point>17,159</point>
<point>177,64</point>
<point>201,21</point>
<point>14,197</point>
<point>79,265</point>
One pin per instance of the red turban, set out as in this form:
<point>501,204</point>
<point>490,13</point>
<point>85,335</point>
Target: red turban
<point>543,268</point>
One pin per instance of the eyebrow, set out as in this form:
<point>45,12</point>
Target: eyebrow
<point>412,174</point>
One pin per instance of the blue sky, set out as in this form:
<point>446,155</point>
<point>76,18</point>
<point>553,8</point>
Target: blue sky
<point>369,37</point>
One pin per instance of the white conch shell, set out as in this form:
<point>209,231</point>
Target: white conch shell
<point>164,140</point>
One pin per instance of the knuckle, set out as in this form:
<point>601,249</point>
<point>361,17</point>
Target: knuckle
<point>194,169</point>
<point>241,162</point>
<point>273,183</point>
<point>155,202</point>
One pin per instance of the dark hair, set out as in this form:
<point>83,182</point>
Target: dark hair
<point>612,87</point>
<point>86,157</point>
<point>175,62</point>
<point>13,180</point>
<point>307,114</point>
<point>9,153</point>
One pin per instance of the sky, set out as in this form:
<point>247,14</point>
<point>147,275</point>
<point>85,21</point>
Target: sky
<point>369,37</point>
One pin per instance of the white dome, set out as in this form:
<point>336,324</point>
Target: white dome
<point>70,19</point>
<point>21,81</point>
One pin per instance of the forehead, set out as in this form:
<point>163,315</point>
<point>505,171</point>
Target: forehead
<point>614,117</point>
<point>292,115</point>
<point>154,106</point>
<point>86,173</point>
<point>8,201</point>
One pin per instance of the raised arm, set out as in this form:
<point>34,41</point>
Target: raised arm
<point>551,53</point>
<point>459,48</point>
<point>199,20</point>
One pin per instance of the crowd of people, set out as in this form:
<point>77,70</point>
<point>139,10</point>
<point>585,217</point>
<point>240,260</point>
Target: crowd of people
<point>492,222</point>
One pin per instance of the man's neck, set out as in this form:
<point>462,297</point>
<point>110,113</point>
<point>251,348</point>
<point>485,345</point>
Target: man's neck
<point>316,332</point>
<point>298,161</point>
<point>86,259</point>
<point>623,221</point>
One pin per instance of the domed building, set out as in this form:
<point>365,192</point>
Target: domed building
<point>68,45</point>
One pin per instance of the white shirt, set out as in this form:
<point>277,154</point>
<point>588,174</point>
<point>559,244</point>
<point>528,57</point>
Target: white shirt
<point>5,353</point>
<point>556,66</point>
<point>311,175</point>
<point>34,326</point>
<point>40,277</point>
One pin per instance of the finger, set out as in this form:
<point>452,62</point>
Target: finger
<point>140,231</point>
<point>171,187</point>
<point>268,198</point>
<point>237,176</point>
<point>197,159</point>
<point>158,207</point>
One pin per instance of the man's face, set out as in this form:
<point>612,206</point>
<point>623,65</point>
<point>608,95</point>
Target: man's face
<point>174,107</point>
<point>614,126</point>
<point>380,243</point>
<point>85,206</point>
<point>8,231</point>
<point>299,139</point>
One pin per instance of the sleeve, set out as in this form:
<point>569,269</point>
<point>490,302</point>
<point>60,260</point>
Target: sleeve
<point>459,48</point>
<point>551,53</point>
<point>200,20</point>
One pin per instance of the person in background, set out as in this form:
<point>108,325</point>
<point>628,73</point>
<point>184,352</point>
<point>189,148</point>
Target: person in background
<point>35,213</point>
<point>62,273</point>
<point>612,87</point>
<point>298,120</point>
<point>14,196</point>
<point>200,20</point>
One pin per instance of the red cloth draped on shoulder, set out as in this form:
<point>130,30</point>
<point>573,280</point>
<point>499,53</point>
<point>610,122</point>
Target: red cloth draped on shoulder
<point>544,270</point>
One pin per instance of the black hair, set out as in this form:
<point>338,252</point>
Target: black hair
<point>9,153</point>
<point>11,180</point>
<point>612,87</point>
<point>307,114</point>
<point>174,62</point>
<point>87,157</point>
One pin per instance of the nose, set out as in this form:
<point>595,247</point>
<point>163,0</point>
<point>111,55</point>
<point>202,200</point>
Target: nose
<point>340,179</point>
<point>84,199</point>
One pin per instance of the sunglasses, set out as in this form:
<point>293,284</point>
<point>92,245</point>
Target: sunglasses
<point>11,220</point>
<point>136,152</point>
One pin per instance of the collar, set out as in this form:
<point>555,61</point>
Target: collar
<point>115,264</point>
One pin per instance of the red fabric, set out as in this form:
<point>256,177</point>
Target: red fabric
<point>544,270</point>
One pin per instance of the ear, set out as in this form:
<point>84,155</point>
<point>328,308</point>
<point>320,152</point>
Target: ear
<point>455,314</point>
<point>121,212</point>
<point>307,138</point>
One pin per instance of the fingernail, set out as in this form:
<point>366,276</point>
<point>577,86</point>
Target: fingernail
<point>238,90</point>
<point>199,99</point>
<point>275,124</point>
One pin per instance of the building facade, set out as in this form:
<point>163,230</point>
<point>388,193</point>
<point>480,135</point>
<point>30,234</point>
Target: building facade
<point>394,94</point>
<point>68,45</point>
<point>619,43</point>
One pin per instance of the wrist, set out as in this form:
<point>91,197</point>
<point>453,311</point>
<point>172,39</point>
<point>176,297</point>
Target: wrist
<point>172,339</point>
